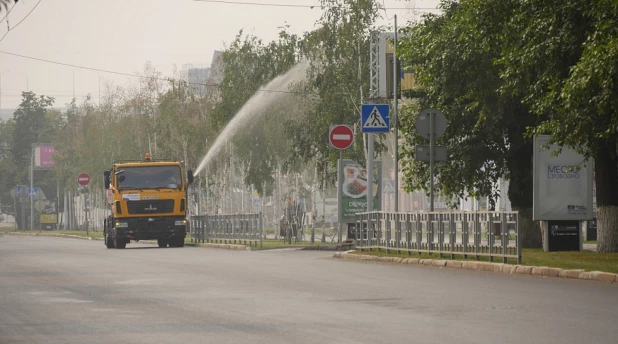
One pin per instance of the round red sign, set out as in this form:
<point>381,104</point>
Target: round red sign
<point>341,136</point>
<point>83,179</point>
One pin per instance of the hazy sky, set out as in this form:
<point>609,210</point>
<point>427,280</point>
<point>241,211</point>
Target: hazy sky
<point>122,35</point>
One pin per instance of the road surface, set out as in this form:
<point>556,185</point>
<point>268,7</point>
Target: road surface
<point>56,290</point>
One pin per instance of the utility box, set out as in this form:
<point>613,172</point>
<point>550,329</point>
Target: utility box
<point>563,236</point>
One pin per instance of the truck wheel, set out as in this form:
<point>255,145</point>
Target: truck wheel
<point>109,243</point>
<point>180,241</point>
<point>120,242</point>
<point>177,242</point>
<point>162,243</point>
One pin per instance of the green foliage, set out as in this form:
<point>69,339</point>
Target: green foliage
<point>337,81</point>
<point>452,57</point>
<point>7,168</point>
<point>32,123</point>
<point>249,65</point>
<point>566,68</point>
<point>4,4</point>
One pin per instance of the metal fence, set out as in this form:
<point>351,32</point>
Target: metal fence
<point>244,229</point>
<point>467,234</point>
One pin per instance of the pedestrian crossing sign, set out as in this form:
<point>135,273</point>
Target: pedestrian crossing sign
<point>375,118</point>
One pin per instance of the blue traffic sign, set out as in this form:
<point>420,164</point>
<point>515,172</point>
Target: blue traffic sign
<point>33,191</point>
<point>375,118</point>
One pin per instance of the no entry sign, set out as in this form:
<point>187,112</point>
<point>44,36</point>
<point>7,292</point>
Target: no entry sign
<point>341,136</point>
<point>83,179</point>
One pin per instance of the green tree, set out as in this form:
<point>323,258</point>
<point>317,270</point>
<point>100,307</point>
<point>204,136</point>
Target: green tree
<point>31,124</point>
<point>566,68</point>
<point>4,4</point>
<point>336,82</point>
<point>250,64</point>
<point>452,57</point>
<point>7,169</point>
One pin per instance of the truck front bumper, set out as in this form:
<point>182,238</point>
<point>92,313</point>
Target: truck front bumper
<point>148,228</point>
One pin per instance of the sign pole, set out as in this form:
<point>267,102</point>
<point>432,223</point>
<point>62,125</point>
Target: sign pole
<point>15,209</point>
<point>32,189</point>
<point>370,149</point>
<point>431,148</point>
<point>395,119</point>
<point>370,172</point>
<point>340,196</point>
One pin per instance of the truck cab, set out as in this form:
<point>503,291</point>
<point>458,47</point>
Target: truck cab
<point>148,200</point>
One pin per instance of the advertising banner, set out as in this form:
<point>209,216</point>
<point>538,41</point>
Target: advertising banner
<point>43,156</point>
<point>562,183</point>
<point>49,213</point>
<point>354,193</point>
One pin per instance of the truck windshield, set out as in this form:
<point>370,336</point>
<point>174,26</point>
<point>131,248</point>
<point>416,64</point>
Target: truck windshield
<point>149,177</point>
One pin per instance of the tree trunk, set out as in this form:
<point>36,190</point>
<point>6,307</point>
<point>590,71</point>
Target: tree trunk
<point>607,224</point>
<point>532,235</point>
<point>606,175</point>
<point>520,194</point>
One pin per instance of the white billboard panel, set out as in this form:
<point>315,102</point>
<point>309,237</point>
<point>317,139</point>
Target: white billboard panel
<point>562,183</point>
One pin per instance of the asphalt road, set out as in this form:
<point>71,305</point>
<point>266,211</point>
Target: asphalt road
<point>55,290</point>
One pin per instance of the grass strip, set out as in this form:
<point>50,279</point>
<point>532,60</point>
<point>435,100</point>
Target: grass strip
<point>586,260</point>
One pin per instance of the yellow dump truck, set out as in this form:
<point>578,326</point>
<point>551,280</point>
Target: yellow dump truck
<point>148,200</point>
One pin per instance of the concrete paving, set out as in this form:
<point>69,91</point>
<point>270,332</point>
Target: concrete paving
<point>55,290</point>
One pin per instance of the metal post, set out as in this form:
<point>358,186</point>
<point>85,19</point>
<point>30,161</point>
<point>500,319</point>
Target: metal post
<point>395,119</point>
<point>261,229</point>
<point>431,148</point>
<point>199,197</point>
<point>15,209</point>
<point>370,141</point>
<point>32,188</point>
<point>370,172</point>
<point>87,207</point>
<point>57,203</point>
<point>340,196</point>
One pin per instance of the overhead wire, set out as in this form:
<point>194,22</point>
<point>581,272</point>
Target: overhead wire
<point>151,77</point>
<point>121,73</point>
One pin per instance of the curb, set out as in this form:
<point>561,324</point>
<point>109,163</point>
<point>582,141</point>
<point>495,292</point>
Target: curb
<point>204,245</point>
<point>322,248</point>
<point>54,235</point>
<point>540,271</point>
<point>223,246</point>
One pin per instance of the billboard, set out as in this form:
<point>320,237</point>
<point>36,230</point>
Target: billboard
<point>354,189</point>
<point>562,184</point>
<point>43,156</point>
<point>49,213</point>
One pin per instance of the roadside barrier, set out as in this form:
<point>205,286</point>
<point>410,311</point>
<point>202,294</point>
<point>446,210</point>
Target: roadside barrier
<point>245,229</point>
<point>467,234</point>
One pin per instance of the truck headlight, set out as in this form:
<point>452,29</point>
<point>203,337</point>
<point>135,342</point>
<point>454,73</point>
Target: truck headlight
<point>122,225</point>
<point>181,223</point>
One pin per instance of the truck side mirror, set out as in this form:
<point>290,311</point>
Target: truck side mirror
<point>190,176</point>
<point>107,179</point>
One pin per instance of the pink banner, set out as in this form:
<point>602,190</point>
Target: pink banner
<point>43,156</point>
